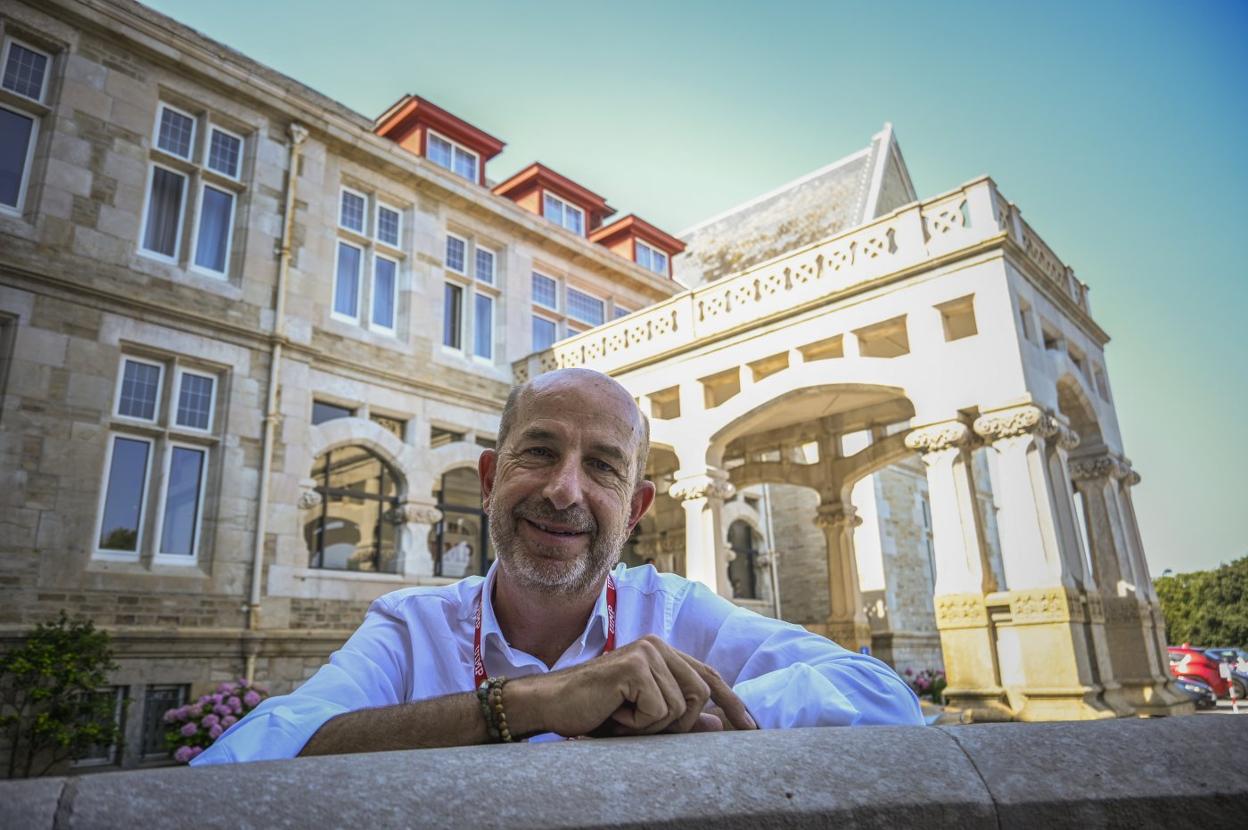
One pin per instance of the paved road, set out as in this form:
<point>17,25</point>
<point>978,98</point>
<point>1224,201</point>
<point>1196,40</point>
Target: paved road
<point>1224,708</point>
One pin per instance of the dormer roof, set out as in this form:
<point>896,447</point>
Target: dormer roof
<point>538,178</point>
<point>634,226</point>
<point>409,119</point>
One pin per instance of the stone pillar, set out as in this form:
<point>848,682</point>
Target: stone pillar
<point>1048,650</point>
<point>415,518</point>
<point>702,496</point>
<point>652,546</point>
<point>847,622</point>
<point>963,576</point>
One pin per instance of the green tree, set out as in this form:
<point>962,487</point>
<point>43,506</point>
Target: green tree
<point>49,706</point>
<point>1207,608</point>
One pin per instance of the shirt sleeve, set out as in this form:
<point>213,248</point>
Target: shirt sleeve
<point>369,670</point>
<point>787,676</point>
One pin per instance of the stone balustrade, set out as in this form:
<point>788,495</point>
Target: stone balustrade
<point>1173,772</point>
<point>908,238</point>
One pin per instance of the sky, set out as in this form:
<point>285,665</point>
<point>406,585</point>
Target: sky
<point>1119,128</point>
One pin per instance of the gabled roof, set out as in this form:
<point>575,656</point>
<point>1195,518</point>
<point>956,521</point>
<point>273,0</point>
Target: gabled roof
<point>842,195</point>
<point>411,111</point>
<point>636,226</point>
<point>539,175</point>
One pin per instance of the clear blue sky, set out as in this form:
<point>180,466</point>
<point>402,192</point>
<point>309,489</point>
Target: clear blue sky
<point>1119,128</point>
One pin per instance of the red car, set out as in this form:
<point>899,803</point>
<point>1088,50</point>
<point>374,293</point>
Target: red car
<point>1186,661</point>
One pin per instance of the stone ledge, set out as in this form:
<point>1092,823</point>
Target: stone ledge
<point>1178,771</point>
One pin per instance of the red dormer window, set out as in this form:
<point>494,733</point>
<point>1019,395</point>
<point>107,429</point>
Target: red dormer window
<point>541,190</point>
<point>446,140</point>
<point>634,238</point>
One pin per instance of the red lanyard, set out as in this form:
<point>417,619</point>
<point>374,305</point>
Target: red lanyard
<point>478,662</point>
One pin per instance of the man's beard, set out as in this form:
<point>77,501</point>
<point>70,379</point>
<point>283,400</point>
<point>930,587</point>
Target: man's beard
<point>553,574</point>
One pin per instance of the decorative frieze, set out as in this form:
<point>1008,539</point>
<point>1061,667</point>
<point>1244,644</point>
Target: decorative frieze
<point>1045,605</point>
<point>961,611</point>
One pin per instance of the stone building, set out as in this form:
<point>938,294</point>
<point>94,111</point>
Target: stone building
<point>252,344</point>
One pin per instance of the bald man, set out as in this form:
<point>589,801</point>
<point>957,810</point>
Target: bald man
<point>557,640</point>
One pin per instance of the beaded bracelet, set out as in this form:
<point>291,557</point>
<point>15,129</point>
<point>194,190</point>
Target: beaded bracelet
<point>490,696</point>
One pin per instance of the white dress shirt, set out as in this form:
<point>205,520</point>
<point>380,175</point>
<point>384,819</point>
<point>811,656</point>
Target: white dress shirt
<point>416,644</point>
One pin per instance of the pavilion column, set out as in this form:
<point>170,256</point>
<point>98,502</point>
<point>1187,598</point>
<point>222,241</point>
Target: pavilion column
<point>415,518</point>
<point>702,496</point>
<point>847,620</point>
<point>963,576</point>
<point>1128,616</point>
<point>1048,627</point>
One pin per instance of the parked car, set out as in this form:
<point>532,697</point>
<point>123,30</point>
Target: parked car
<point>1238,658</point>
<point>1202,695</point>
<point>1186,661</point>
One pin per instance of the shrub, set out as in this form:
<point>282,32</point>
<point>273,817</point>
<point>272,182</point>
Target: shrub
<point>192,728</point>
<point>929,683</point>
<point>50,706</point>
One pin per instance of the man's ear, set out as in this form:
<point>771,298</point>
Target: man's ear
<point>487,467</point>
<point>643,497</point>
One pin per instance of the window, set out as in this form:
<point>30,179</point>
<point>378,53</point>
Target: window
<point>111,699</point>
<point>446,153</point>
<point>545,333</point>
<point>563,214</point>
<point>347,282</point>
<point>620,311</point>
<point>545,291</point>
<point>163,468</point>
<point>469,299</point>
<point>156,701</point>
<point>650,258</point>
<point>351,210</point>
<point>389,223</point>
<point>186,169</point>
<point>322,412</point>
<point>353,527</point>
<point>460,543</point>
<point>742,571</point>
<point>585,308</point>
<point>394,426</point>
<point>25,70</point>
<point>385,292</point>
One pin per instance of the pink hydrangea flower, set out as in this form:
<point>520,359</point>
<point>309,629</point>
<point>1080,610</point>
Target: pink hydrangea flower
<point>225,687</point>
<point>210,721</point>
<point>228,721</point>
<point>222,710</point>
<point>236,705</point>
<point>252,699</point>
<point>218,698</point>
<point>189,729</point>
<point>183,754</point>
<point>170,715</point>
<point>215,731</point>
<point>195,750</point>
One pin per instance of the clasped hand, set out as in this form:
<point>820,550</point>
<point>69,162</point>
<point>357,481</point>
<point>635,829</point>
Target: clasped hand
<point>640,689</point>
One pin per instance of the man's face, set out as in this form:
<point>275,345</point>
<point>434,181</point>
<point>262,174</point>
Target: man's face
<point>561,494</point>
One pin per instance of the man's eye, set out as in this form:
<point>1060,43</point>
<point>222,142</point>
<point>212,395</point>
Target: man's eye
<point>538,452</point>
<point>601,466</point>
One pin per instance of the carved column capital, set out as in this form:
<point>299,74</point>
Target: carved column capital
<point>1018,420</point>
<point>837,515</point>
<point>1096,467</point>
<point>414,512</point>
<point>713,484</point>
<point>942,436</point>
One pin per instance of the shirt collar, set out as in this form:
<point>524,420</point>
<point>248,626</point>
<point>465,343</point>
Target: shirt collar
<point>595,628</point>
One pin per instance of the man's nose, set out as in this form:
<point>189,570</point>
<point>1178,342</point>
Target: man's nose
<point>563,489</point>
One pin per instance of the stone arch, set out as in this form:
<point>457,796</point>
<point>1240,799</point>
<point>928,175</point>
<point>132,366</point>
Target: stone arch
<point>1075,402</point>
<point>453,456</point>
<point>342,432</point>
<point>458,543</point>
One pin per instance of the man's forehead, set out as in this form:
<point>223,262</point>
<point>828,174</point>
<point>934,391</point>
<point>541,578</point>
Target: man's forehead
<point>580,395</point>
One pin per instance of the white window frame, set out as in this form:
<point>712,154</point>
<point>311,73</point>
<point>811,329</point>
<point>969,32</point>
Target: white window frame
<point>476,157</point>
<point>359,284</point>
<point>493,298</point>
<point>467,259</point>
<point>493,281</point>
<point>667,260</point>
<point>26,165</point>
<point>242,148</point>
<point>546,194</point>
<point>147,206</point>
<point>158,556</point>
<point>397,245</point>
<point>577,320</point>
<point>121,378</point>
<point>363,231</point>
<point>108,553</point>
<point>372,295</point>
<point>533,297</point>
<point>160,109</point>
<point>47,74</point>
<point>199,218</point>
<point>178,373</point>
<point>465,298</point>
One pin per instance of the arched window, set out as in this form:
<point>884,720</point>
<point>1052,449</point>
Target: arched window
<point>352,529</point>
<point>741,571</point>
<point>460,543</point>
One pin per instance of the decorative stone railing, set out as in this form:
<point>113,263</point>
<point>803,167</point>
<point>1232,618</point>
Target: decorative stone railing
<point>1180,772</point>
<point>907,238</point>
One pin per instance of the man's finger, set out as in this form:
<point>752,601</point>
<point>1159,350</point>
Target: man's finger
<point>707,722</point>
<point>723,695</point>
